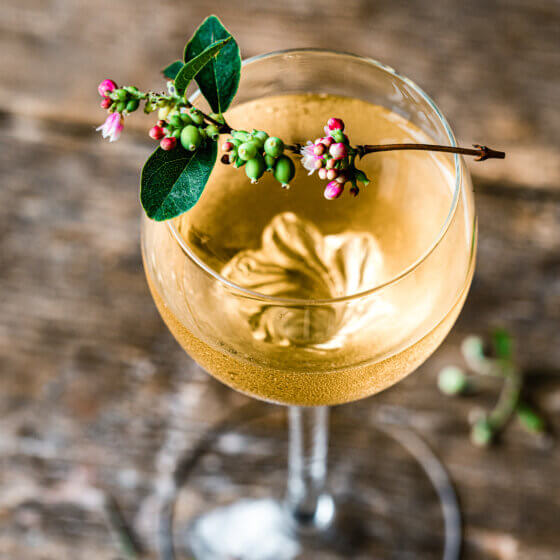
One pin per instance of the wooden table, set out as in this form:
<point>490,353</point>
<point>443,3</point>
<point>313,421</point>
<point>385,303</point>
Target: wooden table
<point>98,400</point>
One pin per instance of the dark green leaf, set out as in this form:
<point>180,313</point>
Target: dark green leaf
<point>173,181</point>
<point>503,344</point>
<point>173,69</point>
<point>191,68</point>
<point>219,79</point>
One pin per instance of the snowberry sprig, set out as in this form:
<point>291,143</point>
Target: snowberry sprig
<point>259,152</point>
<point>331,156</point>
<point>178,119</point>
<point>177,172</point>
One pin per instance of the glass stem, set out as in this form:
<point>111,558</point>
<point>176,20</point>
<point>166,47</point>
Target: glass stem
<point>307,502</point>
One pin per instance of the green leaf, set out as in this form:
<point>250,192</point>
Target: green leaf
<point>172,181</point>
<point>503,344</point>
<point>196,64</point>
<point>219,79</point>
<point>173,69</point>
<point>530,418</point>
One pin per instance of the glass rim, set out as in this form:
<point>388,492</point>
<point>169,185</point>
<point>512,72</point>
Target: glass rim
<point>395,279</point>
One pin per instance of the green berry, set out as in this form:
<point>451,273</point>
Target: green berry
<point>284,170</point>
<point>530,418</point>
<point>269,161</point>
<point>176,121</point>
<point>120,106</point>
<point>203,134</point>
<point>163,113</point>
<point>121,94</point>
<point>176,133</point>
<point>241,135</point>
<point>212,131</point>
<point>274,146</point>
<point>191,137</point>
<point>239,162</point>
<point>247,150</point>
<point>185,118</point>
<point>196,116</point>
<point>452,381</point>
<point>482,432</point>
<point>132,105</point>
<point>338,136</point>
<point>259,137</point>
<point>255,168</point>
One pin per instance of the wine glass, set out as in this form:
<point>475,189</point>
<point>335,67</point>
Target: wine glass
<point>308,303</point>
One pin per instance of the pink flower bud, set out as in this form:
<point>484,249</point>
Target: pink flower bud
<point>161,123</point>
<point>333,190</point>
<point>318,163</point>
<point>105,103</point>
<point>332,174</point>
<point>106,87</point>
<point>327,141</point>
<point>330,163</point>
<point>156,132</point>
<point>112,127</point>
<point>168,143</point>
<point>227,146</point>
<point>338,150</point>
<point>335,124</point>
<point>319,149</point>
<point>342,178</point>
<point>322,173</point>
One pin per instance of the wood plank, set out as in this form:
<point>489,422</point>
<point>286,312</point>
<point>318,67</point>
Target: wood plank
<point>94,393</point>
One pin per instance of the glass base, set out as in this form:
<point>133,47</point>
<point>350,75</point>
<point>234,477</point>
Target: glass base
<point>392,496</point>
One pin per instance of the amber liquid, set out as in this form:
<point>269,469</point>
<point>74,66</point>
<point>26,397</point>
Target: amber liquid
<point>295,244</point>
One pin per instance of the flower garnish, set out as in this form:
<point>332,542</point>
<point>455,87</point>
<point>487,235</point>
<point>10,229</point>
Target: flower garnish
<point>112,127</point>
<point>309,158</point>
<point>172,183</point>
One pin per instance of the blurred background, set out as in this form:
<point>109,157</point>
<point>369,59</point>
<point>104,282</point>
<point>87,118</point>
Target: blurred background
<point>96,398</point>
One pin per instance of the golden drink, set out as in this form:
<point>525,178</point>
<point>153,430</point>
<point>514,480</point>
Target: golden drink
<point>305,340</point>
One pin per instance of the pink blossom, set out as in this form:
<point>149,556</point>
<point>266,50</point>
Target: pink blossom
<point>335,124</point>
<point>112,127</point>
<point>106,87</point>
<point>308,157</point>
<point>319,149</point>
<point>332,174</point>
<point>105,103</point>
<point>338,150</point>
<point>333,190</point>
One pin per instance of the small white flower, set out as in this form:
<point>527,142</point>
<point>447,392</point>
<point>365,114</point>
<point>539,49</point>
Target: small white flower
<point>308,157</point>
<point>112,127</point>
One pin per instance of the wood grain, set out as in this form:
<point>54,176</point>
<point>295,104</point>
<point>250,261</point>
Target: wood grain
<point>96,398</point>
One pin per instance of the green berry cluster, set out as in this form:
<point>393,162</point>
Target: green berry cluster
<point>259,152</point>
<point>125,99</point>
<point>186,126</point>
<point>191,128</point>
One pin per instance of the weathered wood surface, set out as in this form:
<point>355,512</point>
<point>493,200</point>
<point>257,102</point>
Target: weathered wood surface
<point>94,391</point>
